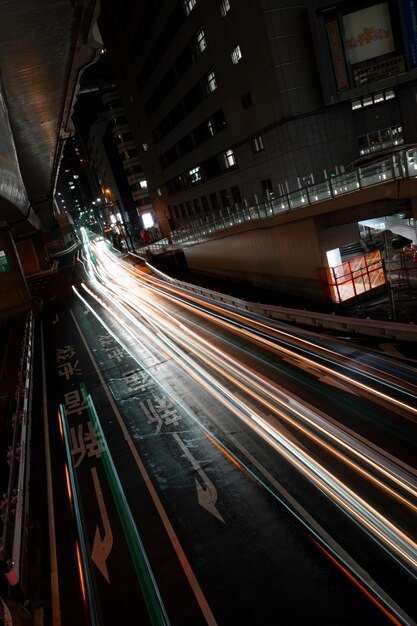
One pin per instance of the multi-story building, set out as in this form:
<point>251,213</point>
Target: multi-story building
<point>232,101</point>
<point>127,151</point>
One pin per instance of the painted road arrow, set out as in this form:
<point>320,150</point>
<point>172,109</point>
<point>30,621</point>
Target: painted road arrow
<point>101,547</point>
<point>206,491</point>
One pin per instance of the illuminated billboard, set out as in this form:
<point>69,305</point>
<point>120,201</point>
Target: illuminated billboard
<point>368,33</point>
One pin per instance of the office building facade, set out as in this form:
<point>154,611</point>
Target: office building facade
<point>234,102</point>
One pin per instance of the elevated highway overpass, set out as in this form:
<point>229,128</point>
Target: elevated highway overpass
<point>291,244</point>
<point>44,45</point>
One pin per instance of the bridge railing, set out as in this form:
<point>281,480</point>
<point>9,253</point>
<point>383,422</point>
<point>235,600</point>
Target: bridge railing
<point>400,165</point>
<point>330,321</point>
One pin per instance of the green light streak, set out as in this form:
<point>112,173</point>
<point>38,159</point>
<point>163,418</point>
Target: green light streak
<point>153,600</point>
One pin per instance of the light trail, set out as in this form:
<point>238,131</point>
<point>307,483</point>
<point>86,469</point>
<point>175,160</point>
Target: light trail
<point>133,300</point>
<point>270,335</point>
<point>268,389</point>
<point>160,329</point>
<point>269,395</point>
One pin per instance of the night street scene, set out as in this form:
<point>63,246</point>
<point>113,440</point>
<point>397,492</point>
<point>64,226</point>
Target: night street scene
<point>208,313</point>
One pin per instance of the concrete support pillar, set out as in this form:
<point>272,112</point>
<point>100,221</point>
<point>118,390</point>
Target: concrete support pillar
<point>14,293</point>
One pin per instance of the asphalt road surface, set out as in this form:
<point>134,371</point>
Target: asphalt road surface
<point>224,470</point>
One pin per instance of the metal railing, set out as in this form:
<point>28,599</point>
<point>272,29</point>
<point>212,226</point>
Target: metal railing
<point>401,165</point>
<point>331,321</point>
<point>15,500</point>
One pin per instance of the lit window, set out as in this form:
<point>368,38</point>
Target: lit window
<point>367,100</point>
<point>356,104</point>
<point>188,5</point>
<point>201,40</point>
<point>236,55</point>
<point>194,174</point>
<point>229,158</point>
<point>147,220</point>
<point>389,94</point>
<point>224,7</point>
<point>378,97</point>
<point>143,184</point>
<point>211,81</point>
<point>257,144</point>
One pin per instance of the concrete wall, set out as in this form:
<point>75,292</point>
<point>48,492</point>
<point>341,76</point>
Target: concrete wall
<point>28,257</point>
<point>14,294</point>
<point>284,258</point>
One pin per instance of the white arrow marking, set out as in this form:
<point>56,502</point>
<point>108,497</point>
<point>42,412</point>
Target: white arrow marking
<point>101,547</point>
<point>206,492</point>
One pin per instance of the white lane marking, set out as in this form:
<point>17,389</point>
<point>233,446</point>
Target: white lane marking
<point>337,549</point>
<point>56,608</point>
<point>206,492</point>
<point>315,371</point>
<point>336,383</point>
<point>101,547</point>
<point>198,592</point>
<point>390,349</point>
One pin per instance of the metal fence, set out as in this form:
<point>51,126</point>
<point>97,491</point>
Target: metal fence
<point>356,276</point>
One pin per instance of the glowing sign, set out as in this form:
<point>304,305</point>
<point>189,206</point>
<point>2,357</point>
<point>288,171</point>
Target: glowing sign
<point>4,263</point>
<point>368,33</point>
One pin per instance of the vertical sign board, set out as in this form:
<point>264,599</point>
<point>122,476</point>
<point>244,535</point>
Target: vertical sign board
<point>337,55</point>
<point>4,263</point>
<point>410,19</point>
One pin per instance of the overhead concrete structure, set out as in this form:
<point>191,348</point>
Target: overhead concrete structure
<point>44,45</point>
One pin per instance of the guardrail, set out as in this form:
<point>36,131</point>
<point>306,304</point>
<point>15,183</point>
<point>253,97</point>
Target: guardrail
<point>329,321</point>
<point>15,501</point>
<point>398,166</point>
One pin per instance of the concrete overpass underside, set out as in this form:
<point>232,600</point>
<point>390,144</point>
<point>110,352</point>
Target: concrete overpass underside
<point>44,44</point>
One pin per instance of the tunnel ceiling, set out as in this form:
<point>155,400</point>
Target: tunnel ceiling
<point>43,46</point>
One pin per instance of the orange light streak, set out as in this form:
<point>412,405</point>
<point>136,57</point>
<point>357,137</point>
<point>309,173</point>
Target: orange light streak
<point>81,573</point>
<point>357,583</point>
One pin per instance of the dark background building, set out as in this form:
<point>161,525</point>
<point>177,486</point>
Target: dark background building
<point>232,102</point>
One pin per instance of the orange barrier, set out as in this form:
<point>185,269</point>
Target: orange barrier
<point>356,276</point>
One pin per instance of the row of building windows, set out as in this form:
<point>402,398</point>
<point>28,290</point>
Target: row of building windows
<point>224,7</point>
<point>168,33</point>
<point>380,140</point>
<point>204,131</point>
<point>375,98</point>
<point>143,201</point>
<point>198,92</point>
<point>188,5</point>
<point>176,19</point>
<point>119,120</point>
<point>204,204</point>
<point>207,169</point>
<point>196,45</point>
<point>123,137</point>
